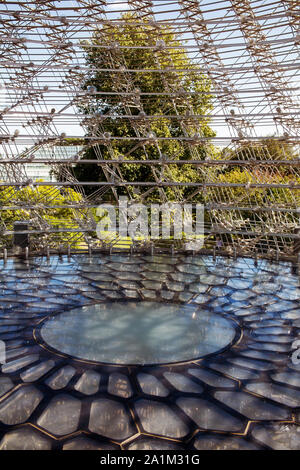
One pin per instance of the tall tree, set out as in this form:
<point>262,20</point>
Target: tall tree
<point>151,90</point>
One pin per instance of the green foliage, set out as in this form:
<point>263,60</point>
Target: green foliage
<point>47,201</point>
<point>246,195</point>
<point>268,149</point>
<point>193,97</point>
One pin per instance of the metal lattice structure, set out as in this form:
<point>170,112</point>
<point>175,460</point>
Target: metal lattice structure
<point>248,50</point>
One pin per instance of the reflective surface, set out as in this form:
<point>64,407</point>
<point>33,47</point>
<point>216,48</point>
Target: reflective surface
<point>245,397</point>
<point>138,332</point>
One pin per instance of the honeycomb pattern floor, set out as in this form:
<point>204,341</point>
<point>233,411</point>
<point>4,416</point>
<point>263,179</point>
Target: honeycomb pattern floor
<point>246,397</point>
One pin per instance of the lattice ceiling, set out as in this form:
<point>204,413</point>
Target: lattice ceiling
<point>247,50</point>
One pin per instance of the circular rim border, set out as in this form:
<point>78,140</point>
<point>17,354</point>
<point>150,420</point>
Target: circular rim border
<point>36,333</point>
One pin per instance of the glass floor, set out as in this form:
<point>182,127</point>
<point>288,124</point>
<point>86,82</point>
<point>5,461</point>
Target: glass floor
<point>141,352</point>
<point>132,333</point>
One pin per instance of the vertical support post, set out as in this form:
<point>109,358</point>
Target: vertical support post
<point>5,255</point>
<point>296,252</point>
<point>21,240</point>
<point>296,246</point>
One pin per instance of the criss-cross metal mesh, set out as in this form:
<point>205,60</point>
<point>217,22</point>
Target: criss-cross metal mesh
<point>240,157</point>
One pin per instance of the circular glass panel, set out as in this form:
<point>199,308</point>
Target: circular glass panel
<point>138,332</point>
